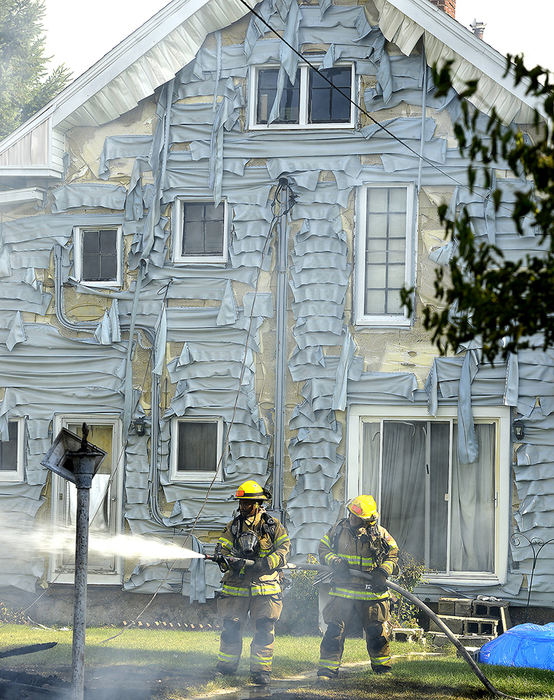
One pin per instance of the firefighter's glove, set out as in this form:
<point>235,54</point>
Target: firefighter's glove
<point>222,562</point>
<point>340,567</point>
<point>260,566</point>
<point>237,565</point>
<point>379,578</point>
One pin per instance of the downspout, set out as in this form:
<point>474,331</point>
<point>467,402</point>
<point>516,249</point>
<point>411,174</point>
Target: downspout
<point>90,327</point>
<point>280,351</point>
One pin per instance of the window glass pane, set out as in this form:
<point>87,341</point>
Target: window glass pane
<point>371,437</point>
<point>394,304</point>
<point>397,199</point>
<point>397,225</point>
<point>415,486</point>
<point>473,493</point>
<point>385,249</point>
<point>197,446</point>
<point>376,276</point>
<point>403,484</point>
<point>377,199</point>
<point>214,238</point>
<point>327,105</point>
<point>99,255</point>
<point>396,276</point>
<point>203,229</point>
<point>438,488</point>
<point>8,450</point>
<point>376,226</point>
<point>103,500</point>
<point>267,92</point>
<point>375,301</point>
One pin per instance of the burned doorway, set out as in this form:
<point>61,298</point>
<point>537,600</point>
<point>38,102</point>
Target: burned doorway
<point>105,501</point>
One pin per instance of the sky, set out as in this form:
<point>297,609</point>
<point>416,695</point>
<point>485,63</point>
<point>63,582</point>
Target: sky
<point>79,33</point>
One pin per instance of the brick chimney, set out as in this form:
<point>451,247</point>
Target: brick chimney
<point>448,6</point>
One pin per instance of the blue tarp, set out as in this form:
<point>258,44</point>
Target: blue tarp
<point>525,645</point>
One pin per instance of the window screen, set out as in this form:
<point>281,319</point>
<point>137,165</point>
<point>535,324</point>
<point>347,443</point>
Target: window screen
<point>327,105</point>
<point>385,254</point>
<point>203,229</point>
<point>99,255</point>
<point>197,446</point>
<point>8,450</point>
<point>267,90</point>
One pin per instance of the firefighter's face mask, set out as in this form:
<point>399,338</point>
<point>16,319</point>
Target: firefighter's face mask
<point>357,523</point>
<point>248,544</point>
<point>248,507</point>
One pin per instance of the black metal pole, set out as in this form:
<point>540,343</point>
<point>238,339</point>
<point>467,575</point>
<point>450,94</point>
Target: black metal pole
<point>83,482</point>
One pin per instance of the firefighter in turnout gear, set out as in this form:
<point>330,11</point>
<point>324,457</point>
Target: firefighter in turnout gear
<point>252,535</point>
<point>358,542</point>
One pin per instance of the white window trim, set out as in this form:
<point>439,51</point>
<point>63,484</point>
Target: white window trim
<point>196,476</point>
<point>177,234</point>
<point>17,475</point>
<point>383,320</point>
<point>78,256</point>
<point>57,506</point>
<point>497,414</point>
<point>303,101</point>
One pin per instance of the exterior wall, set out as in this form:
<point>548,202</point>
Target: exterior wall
<point>217,356</point>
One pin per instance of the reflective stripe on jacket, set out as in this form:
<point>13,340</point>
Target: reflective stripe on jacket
<point>246,583</point>
<point>362,550</point>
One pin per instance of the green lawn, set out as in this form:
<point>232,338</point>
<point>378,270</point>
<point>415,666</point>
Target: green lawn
<point>168,664</point>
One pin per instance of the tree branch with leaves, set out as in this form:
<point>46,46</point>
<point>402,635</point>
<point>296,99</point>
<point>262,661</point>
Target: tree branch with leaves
<point>503,304</point>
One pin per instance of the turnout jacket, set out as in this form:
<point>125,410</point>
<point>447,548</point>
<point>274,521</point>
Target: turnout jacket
<point>274,547</point>
<point>365,549</point>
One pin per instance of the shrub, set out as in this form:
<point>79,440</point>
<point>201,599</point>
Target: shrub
<point>404,613</point>
<point>300,602</point>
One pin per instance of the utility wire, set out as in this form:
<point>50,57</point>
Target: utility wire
<point>362,110</point>
<point>276,215</point>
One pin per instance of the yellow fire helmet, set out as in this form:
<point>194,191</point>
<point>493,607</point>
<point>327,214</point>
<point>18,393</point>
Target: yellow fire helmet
<point>251,490</point>
<point>364,507</point>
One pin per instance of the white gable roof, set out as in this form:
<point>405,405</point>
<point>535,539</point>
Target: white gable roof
<point>152,55</point>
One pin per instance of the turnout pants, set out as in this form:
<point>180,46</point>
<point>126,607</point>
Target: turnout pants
<point>374,616</point>
<point>264,612</point>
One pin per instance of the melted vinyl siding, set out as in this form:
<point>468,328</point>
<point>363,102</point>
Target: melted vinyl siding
<point>329,358</point>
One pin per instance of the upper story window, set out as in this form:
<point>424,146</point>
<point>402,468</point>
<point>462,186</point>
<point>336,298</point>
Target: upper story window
<point>11,453</point>
<point>384,253</point>
<point>310,103</point>
<point>98,256</point>
<point>200,231</point>
<point>196,448</point>
<point>452,517</point>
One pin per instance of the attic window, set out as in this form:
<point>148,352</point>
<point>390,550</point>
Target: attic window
<point>196,445</point>
<point>11,453</point>
<point>310,103</point>
<point>200,231</point>
<point>98,256</point>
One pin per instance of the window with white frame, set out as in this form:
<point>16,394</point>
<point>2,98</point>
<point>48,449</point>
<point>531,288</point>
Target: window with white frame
<point>196,448</point>
<point>310,103</point>
<point>385,253</point>
<point>11,453</point>
<point>452,517</point>
<point>200,231</point>
<point>97,254</point>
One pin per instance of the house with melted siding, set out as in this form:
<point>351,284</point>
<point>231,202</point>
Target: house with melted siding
<point>202,243</point>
